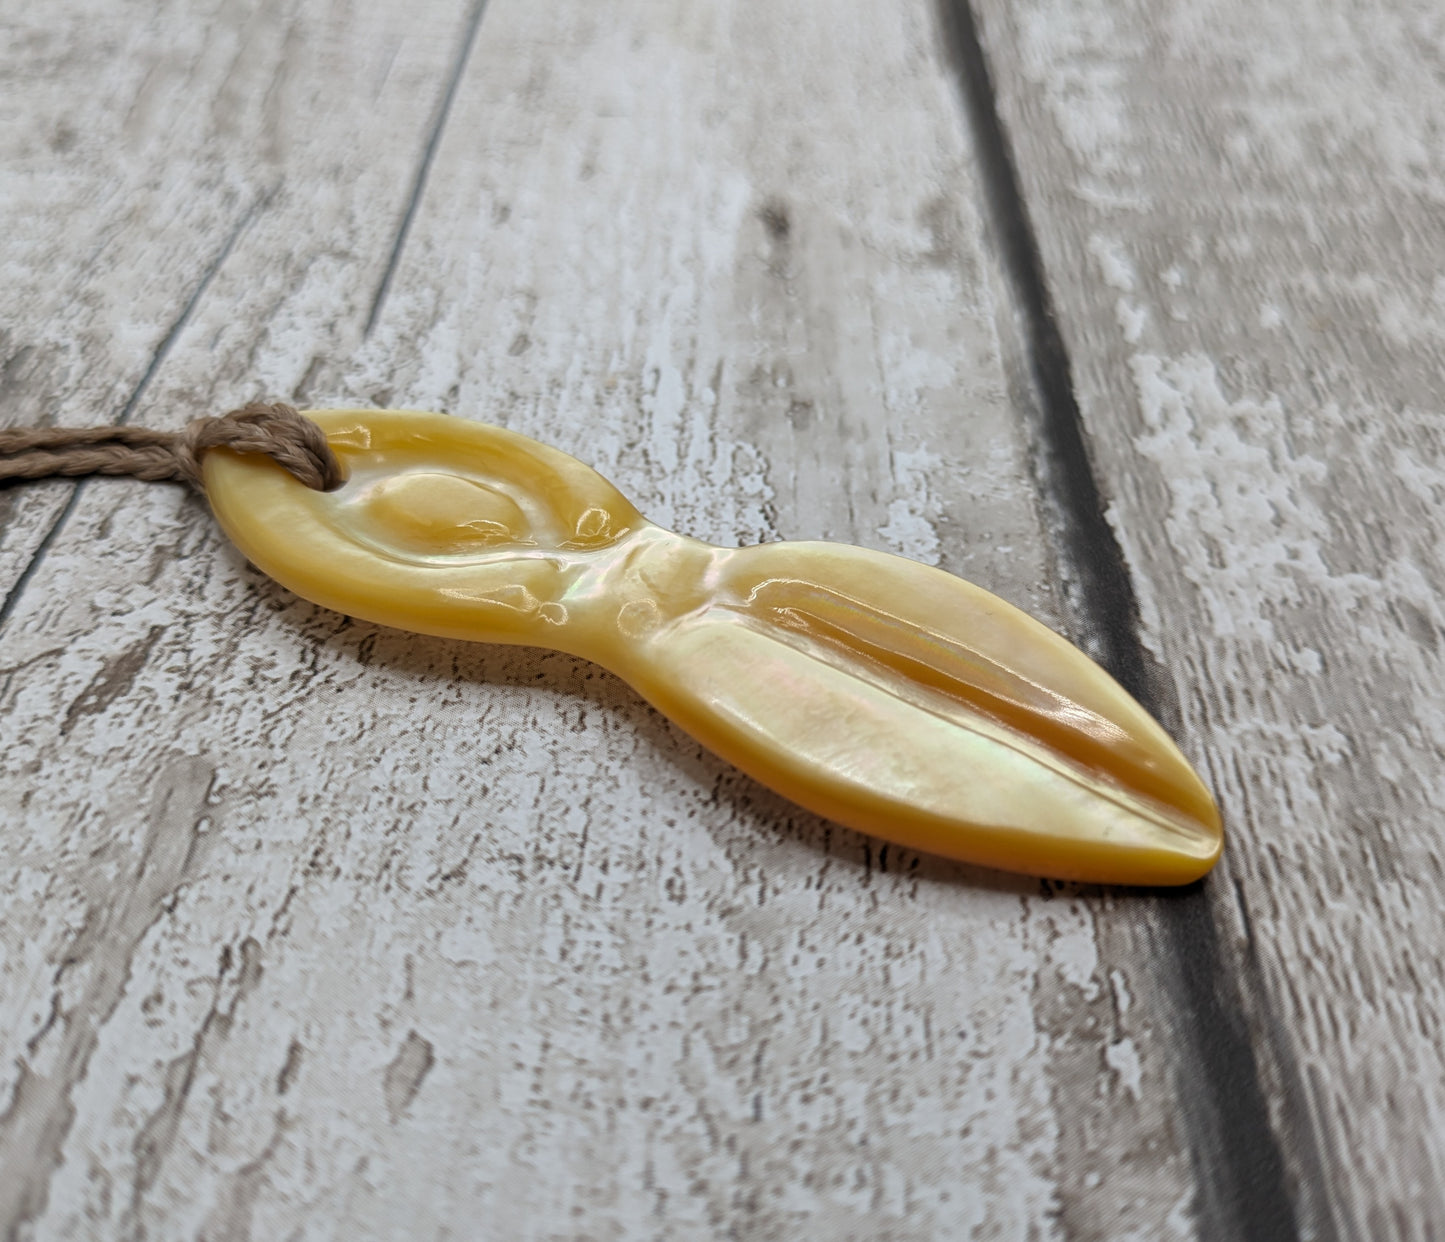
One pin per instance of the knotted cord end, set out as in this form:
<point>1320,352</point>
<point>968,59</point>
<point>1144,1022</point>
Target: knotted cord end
<point>279,431</point>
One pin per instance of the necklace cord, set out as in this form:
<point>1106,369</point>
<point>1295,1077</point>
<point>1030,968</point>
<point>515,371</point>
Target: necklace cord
<point>279,431</point>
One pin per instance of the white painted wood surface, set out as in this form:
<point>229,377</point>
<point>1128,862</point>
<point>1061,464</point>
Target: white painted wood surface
<point>317,930</point>
<point>1242,210</point>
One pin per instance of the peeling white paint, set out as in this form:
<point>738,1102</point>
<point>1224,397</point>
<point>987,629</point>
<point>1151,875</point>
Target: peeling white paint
<point>438,934</point>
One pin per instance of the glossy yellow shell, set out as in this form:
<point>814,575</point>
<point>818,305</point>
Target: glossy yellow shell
<point>884,694</point>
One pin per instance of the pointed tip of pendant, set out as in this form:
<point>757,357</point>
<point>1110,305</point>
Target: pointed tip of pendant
<point>1179,848</point>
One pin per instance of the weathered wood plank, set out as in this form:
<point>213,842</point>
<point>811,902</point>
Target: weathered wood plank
<point>1240,211</point>
<point>333,930</point>
<point>141,151</point>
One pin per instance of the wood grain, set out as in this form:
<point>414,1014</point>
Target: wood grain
<point>1240,212</point>
<point>141,153</point>
<point>323,930</point>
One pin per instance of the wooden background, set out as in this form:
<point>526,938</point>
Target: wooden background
<point>1132,311</point>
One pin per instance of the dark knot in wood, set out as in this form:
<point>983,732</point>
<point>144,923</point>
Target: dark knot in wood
<point>278,431</point>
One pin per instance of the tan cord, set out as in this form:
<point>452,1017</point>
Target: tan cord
<point>278,431</point>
